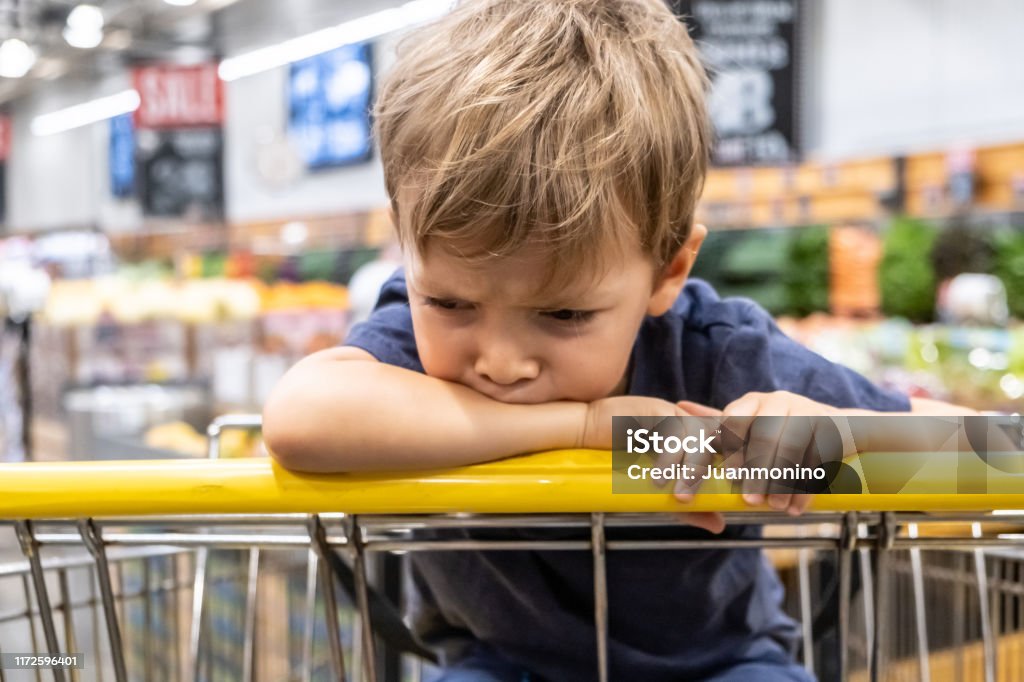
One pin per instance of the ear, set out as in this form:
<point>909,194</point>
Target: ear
<point>672,278</point>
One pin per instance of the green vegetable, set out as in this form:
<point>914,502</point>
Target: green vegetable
<point>213,264</point>
<point>761,255</point>
<point>907,276</point>
<point>806,276</point>
<point>750,263</point>
<point>1009,267</point>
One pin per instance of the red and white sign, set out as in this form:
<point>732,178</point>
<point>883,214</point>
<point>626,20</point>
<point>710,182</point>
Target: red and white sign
<point>5,137</point>
<point>179,96</point>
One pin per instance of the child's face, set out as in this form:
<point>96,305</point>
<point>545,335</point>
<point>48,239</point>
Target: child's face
<point>486,325</point>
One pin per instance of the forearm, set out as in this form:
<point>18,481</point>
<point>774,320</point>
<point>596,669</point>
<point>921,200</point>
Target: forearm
<point>919,433</point>
<point>352,415</point>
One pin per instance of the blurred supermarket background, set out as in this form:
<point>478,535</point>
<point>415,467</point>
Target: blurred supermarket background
<point>187,188</point>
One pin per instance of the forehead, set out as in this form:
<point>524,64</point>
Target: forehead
<point>530,277</point>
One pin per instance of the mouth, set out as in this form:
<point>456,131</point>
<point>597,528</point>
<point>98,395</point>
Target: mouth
<point>515,393</point>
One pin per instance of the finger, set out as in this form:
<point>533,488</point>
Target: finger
<point>732,440</point>
<point>698,457</point>
<point>713,522</point>
<point>664,457</point>
<point>828,447</point>
<point>794,441</point>
<point>737,418</point>
<point>667,458</point>
<point>799,504</point>
<point>698,410</point>
<point>686,489</point>
<point>762,442</point>
<point>747,405</point>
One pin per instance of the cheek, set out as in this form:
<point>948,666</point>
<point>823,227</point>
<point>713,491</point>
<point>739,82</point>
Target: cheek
<point>590,367</point>
<point>442,351</point>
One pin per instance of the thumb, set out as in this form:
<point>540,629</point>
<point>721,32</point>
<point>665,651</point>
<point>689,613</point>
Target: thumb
<point>698,410</point>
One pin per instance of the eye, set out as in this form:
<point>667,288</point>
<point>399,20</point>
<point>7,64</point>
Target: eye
<point>568,315</point>
<point>442,303</point>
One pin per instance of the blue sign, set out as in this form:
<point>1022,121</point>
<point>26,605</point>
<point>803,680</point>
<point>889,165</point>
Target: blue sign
<point>122,156</point>
<point>329,107</point>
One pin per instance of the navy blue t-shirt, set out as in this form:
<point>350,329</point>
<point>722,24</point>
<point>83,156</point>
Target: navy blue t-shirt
<point>673,615</point>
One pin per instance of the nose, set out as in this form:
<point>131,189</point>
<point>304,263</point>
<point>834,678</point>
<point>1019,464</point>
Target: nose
<point>505,363</point>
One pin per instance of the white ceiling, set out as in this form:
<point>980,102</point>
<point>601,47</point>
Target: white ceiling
<point>151,30</point>
<point>135,31</point>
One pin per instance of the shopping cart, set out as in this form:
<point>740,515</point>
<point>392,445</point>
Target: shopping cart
<point>221,569</point>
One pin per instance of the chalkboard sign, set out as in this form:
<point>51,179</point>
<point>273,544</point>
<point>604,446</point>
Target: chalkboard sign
<point>751,50</point>
<point>329,107</point>
<point>181,173</point>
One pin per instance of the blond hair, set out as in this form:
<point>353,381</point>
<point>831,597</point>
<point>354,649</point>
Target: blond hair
<point>553,122</point>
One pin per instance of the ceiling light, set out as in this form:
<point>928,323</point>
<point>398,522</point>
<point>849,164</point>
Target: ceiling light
<point>324,40</point>
<point>85,27</point>
<point>86,18</point>
<point>180,3</point>
<point>16,58</point>
<point>83,114</point>
<point>82,39</point>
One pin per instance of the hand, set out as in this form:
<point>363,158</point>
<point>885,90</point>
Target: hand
<point>596,430</point>
<point>777,430</point>
<point>596,433</point>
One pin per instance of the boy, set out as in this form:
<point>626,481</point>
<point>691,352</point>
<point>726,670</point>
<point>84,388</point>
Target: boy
<point>544,159</point>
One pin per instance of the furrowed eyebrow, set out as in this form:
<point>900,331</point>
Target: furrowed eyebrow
<point>440,293</point>
<point>568,300</point>
<point>562,301</point>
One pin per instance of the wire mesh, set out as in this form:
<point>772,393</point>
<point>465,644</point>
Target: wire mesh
<point>264,617</point>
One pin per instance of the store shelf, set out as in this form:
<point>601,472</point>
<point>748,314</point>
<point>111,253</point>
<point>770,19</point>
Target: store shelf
<point>854,190</point>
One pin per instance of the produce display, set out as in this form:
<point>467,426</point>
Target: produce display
<point>131,300</point>
<point>807,277</point>
<point>125,300</point>
<point>854,253</point>
<point>1009,267</point>
<point>234,322</point>
<point>906,274</point>
<point>978,367</point>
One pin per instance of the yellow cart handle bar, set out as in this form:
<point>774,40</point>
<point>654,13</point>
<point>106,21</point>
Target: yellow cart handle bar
<point>563,481</point>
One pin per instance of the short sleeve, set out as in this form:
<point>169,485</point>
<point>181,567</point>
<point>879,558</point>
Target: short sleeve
<point>387,334</point>
<point>757,356</point>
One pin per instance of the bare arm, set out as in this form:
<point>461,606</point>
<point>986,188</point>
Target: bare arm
<point>936,408</point>
<point>906,435</point>
<point>342,410</point>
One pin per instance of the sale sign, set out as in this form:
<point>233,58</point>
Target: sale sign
<point>179,142</point>
<point>174,97</point>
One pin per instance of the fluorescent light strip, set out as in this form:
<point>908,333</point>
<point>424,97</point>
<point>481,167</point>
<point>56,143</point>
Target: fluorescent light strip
<point>318,42</point>
<point>88,112</point>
